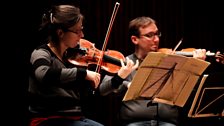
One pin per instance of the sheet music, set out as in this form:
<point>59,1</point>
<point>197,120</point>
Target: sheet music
<point>160,74</point>
<point>167,78</point>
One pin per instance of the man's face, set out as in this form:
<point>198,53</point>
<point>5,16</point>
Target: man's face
<point>148,40</point>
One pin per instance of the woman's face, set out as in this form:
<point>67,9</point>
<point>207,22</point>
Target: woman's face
<point>71,37</point>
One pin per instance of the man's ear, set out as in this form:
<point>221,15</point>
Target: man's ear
<point>134,39</point>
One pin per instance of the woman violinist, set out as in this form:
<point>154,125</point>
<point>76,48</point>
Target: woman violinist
<point>56,90</point>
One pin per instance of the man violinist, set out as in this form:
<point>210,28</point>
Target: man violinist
<point>145,35</point>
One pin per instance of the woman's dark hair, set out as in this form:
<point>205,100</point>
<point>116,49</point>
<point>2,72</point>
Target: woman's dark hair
<point>59,17</point>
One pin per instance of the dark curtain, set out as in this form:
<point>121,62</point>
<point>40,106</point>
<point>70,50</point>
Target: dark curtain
<point>198,23</point>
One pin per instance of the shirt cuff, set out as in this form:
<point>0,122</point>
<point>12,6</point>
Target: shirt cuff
<point>81,74</point>
<point>116,81</point>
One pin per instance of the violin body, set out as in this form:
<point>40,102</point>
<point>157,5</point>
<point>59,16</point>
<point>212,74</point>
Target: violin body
<point>87,55</point>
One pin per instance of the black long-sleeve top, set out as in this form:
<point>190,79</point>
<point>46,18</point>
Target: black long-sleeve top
<point>54,87</point>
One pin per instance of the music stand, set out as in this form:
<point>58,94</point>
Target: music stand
<point>208,101</point>
<point>166,78</point>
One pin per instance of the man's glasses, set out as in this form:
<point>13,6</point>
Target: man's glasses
<point>151,35</point>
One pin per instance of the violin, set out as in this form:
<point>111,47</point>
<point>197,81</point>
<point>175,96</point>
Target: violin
<point>184,52</point>
<point>87,55</point>
<point>107,60</point>
<point>219,57</point>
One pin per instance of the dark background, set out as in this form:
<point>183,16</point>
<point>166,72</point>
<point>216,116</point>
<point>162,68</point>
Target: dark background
<point>200,24</point>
